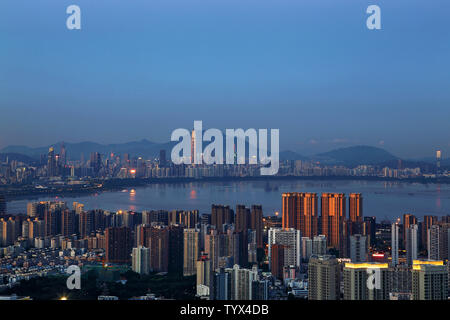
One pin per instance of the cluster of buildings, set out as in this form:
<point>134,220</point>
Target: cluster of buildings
<point>57,168</point>
<point>413,266</point>
<point>322,247</point>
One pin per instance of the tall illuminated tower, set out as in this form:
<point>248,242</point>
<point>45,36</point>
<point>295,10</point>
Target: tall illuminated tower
<point>193,148</point>
<point>438,160</point>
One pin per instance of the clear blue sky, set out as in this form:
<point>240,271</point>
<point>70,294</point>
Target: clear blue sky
<point>141,68</point>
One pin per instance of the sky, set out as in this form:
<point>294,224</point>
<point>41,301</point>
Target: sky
<point>142,68</point>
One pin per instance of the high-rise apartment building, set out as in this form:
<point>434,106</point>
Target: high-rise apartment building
<point>429,280</point>
<point>355,202</point>
<point>300,212</point>
<point>176,249</point>
<point>412,243</point>
<point>366,281</point>
<point>439,241</point>
<point>242,282</point>
<point>67,222</point>
<point>394,243</point>
<point>323,278</point>
<point>158,243</point>
<point>277,260</point>
<point>256,224</point>
<point>118,244</point>
<point>291,239</point>
<point>141,260</point>
<point>358,248</point>
<point>191,251</point>
<point>332,216</point>
<point>204,274</point>
<point>221,215</point>
<point>408,219</point>
<point>428,221</point>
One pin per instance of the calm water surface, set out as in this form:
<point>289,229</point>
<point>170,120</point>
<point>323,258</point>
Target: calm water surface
<point>381,199</point>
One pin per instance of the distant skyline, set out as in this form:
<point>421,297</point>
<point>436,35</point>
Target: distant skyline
<point>311,68</point>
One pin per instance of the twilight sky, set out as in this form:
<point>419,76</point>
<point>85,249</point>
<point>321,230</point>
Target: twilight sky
<point>142,68</point>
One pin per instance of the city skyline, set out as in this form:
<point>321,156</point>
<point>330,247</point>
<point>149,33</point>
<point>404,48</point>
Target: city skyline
<point>229,64</point>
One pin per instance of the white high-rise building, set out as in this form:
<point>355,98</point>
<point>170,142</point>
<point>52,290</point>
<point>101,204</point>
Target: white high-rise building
<point>291,239</point>
<point>241,282</point>
<point>411,243</point>
<point>141,260</point>
<point>433,235</point>
<point>394,243</point>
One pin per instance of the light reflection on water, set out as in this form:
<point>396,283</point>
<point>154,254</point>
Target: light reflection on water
<point>381,199</point>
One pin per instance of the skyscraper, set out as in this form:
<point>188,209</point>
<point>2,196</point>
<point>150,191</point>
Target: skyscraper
<point>51,163</point>
<point>141,260</point>
<point>394,243</point>
<point>277,260</point>
<point>290,209</point>
<point>204,273</point>
<point>96,162</point>
<point>176,249</point>
<point>191,251</point>
<point>67,222</point>
<point>241,283</point>
<point>428,221</point>
<point>8,231</point>
<point>323,278</point>
<point>193,148</point>
<point>162,158</point>
<point>429,280</point>
<point>63,155</point>
<point>408,219</point>
<point>438,160</point>
<point>300,212</point>
<point>243,221</point>
<point>355,202</point>
<point>439,241</point>
<point>412,244</point>
<point>118,244</point>
<point>213,248</point>
<point>333,215</point>
<point>158,243</point>
<point>291,239</point>
<point>357,286</point>
<point>86,223</point>
<point>221,215</point>
<point>358,248</point>
<point>256,224</point>
<point>308,215</point>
